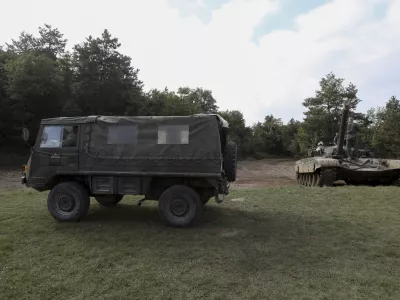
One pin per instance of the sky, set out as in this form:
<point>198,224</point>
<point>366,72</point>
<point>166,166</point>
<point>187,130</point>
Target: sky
<point>257,56</point>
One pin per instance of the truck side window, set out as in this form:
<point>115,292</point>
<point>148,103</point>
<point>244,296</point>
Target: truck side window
<point>173,134</point>
<point>56,136</point>
<point>51,137</point>
<point>70,136</point>
<point>122,135</point>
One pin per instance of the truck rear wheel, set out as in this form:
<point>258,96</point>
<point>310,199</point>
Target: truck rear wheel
<point>68,201</point>
<point>108,200</point>
<point>230,161</point>
<point>180,206</point>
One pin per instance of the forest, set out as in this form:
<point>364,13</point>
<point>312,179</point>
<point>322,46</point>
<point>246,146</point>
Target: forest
<point>39,78</point>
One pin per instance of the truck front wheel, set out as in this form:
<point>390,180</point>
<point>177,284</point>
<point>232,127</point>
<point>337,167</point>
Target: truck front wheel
<point>180,206</point>
<point>68,201</point>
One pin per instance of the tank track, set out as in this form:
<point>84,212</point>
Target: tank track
<point>317,179</point>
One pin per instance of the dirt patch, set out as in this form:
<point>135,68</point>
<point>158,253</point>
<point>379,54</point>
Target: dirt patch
<point>265,173</point>
<point>10,178</point>
<point>257,173</point>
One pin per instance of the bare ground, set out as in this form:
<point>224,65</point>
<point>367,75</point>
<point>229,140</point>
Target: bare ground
<point>257,173</point>
<point>10,178</point>
<point>265,173</point>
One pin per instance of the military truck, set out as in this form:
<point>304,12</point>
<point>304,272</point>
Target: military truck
<point>327,164</point>
<point>180,161</point>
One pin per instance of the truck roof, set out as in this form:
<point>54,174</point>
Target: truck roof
<point>116,119</point>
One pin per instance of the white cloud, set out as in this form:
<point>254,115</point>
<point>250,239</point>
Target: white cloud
<point>272,77</point>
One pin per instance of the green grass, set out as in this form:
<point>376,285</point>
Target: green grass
<point>279,243</point>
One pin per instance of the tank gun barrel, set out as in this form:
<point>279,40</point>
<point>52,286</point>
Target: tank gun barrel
<point>342,128</point>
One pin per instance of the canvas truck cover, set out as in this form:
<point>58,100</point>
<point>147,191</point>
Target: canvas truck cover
<point>172,146</point>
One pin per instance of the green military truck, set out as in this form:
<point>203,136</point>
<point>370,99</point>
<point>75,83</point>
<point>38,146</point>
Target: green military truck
<point>180,161</point>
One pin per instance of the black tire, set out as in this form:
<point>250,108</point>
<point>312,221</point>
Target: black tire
<point>171,202</point>
<point>68,201</point>
<point>230,161</point>
<point>108,200</point>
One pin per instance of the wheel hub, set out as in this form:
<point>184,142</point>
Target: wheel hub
<point>179,207</point>
<point>65,203</point>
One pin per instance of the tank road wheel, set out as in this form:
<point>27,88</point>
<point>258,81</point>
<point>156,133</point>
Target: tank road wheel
<point>326,178</point>
<point>108,200</point>
<point>309,179</point>
<point>314,177</point>
<point>180,206</point>
<point>68,201</point>
<point>306,179</point>
<point>230,161</point>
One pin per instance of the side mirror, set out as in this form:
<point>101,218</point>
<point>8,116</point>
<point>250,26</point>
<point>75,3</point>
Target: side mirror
<point>25,134</point>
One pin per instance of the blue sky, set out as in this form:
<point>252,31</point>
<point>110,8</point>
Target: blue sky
<point>284,20</point>
<point>203,10</point>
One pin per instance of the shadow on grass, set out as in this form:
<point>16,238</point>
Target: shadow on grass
<point>123,213</point>
<point>251,240</point>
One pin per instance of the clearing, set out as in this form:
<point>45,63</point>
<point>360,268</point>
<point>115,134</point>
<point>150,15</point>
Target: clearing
<point>264,242</point>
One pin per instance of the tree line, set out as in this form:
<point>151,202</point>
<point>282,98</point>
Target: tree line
<point>39,79</point>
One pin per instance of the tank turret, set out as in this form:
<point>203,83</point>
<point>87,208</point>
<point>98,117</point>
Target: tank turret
<point>335,149</point>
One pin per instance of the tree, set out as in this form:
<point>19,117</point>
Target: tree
<point>199,97</point>
<point>50,42</point>
<point>70,107</point>
<point>290,137</point>
<point>304,139</point>
<point>238,132</point>
<point>387,133</point>
<point>267,137</point>
<point>325,108</point>
<point>35,88</point>
<point>25,43</point>
<point>6,120</point>
<point>168,103</point>
<point>104,80</point>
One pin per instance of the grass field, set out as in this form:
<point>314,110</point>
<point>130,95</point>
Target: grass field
<point>271,243</point>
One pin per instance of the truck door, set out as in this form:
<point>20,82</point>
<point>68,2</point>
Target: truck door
<point>59,147</point>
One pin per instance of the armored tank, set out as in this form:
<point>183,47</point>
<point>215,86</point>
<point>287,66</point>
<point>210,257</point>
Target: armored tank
<point>327,164</point>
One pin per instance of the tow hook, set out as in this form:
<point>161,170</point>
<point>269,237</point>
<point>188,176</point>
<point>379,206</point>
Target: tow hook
<point>219,201</point>
<point>224,189</point>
